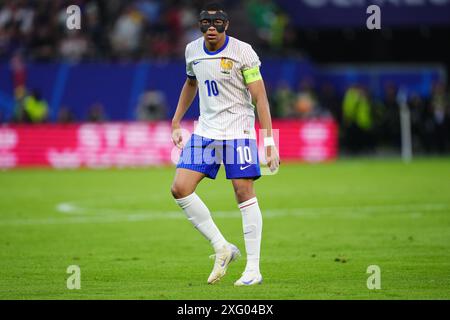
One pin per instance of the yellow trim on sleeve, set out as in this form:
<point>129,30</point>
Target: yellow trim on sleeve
<point>252,75</point>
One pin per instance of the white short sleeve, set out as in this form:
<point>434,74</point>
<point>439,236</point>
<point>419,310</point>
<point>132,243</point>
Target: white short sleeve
<point>189,70</point>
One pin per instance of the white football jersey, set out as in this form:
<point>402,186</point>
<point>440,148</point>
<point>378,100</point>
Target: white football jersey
<point>226,110</point>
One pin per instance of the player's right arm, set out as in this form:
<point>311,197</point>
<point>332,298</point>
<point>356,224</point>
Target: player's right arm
<point>187,95</point>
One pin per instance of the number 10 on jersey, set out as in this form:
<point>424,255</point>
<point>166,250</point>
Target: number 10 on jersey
<point>212,88</point>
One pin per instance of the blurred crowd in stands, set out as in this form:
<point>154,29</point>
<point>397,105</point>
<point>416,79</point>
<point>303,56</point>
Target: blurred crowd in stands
<point>111,29</point>
<point>130,30</point>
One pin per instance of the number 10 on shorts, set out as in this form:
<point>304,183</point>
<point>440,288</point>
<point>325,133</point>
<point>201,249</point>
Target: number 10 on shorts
<point>245,154</point>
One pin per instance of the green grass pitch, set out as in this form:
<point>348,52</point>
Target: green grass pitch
<point>324,224</point>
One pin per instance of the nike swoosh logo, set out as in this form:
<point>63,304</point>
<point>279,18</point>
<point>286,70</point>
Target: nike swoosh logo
<point>196,62</point>
<point>243,168</point>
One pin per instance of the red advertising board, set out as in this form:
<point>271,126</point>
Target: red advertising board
<point>142,144</point>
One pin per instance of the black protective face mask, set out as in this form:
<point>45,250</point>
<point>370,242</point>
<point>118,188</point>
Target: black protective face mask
<point>211,18</point>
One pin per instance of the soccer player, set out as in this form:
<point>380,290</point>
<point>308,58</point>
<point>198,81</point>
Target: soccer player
<point>226,73</point>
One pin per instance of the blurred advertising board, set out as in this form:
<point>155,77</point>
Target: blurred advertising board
<point>138,144</point>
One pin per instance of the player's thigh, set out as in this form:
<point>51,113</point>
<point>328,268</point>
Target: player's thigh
<point>185,182</point>
<point>243,189</point>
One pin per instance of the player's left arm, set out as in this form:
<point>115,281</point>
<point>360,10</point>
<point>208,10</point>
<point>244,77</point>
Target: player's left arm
<point>259,95</point>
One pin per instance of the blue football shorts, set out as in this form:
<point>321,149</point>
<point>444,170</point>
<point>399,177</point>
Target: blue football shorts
<point>239,157</point>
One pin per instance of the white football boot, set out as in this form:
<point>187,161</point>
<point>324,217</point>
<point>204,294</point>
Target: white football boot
<point>223,258</point>
<point>249,278</point>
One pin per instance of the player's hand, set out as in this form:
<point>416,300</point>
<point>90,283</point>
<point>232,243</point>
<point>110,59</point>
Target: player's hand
<point>273,158</point>
<point>177,137</point>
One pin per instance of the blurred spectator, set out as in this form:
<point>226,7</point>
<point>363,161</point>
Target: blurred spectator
<point>440,109</point>
<point>19,74</point>
<point>45,32</point>
<point>96,113</point>
<point>35,108</point>
<point>277,31</point>
<point>42,43</point>
<point>262,16</point>
<point>283,100</point>
<point>173,20</point>
<point>16,22</point>
<point>95,29</point>
<point>74,47</point>
<point>19,115</point>
<point>418,110</point>
<point>305,102</point>
<point>127,32</point>
<point>189,16</point>
<point>270,23</point>
<point>10,40</point>
<point>357,120</point>
<point>330,101</point>
<point>389,117</point>
<point>189,24</point>
<point>17,13</point>
<point>65,115</point>
<point>152,105</point>
<point>192,33</point>
<point>150,9</point>
<point>160,46</point>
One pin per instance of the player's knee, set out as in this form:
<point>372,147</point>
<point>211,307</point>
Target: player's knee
<point>176,191</point>
<point>179,191</point>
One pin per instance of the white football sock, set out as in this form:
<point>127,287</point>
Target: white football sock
<point>199,215</point>
<point>252,225</point>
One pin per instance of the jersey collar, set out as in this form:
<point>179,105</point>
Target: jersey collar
<point>211,53</point>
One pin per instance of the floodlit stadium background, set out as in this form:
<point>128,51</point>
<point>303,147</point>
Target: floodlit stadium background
<point>321,65</point>
<point>351,104</point>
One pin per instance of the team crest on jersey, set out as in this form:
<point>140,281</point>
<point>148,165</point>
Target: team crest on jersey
<point>226,65</point>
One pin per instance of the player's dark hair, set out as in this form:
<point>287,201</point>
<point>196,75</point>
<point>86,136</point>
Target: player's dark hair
<point>213,6</point>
